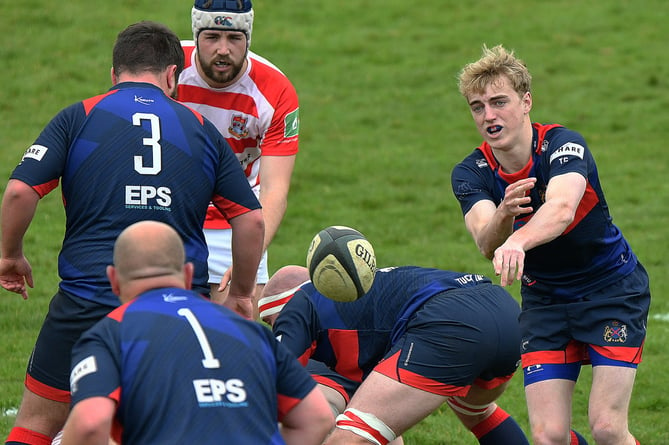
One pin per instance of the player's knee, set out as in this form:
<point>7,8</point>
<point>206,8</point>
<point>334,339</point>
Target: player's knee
<point>606,430</point>
<point>365,425</point>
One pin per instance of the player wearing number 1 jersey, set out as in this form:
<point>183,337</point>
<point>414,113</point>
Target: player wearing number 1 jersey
<point>169,366</point>
<point>130,154</point>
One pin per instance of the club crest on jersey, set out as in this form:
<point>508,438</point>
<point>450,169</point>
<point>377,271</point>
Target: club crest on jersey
<point>237,126</point>
<point>481,163</point>
<point>615,332</point>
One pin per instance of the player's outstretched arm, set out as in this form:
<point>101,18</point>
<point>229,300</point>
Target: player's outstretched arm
<point>563,195</point>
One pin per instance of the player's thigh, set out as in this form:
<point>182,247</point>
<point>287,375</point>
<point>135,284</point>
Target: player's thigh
<point>611,393</point>
<point>478,395</point>
<point>549,405</point>
<point>397,405</point>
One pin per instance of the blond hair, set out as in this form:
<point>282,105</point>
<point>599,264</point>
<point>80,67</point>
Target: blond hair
<point>494,63</point>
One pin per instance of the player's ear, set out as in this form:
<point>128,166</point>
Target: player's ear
<point>188,275</point>
<point>114,79</point>
<point>527,102</point>
<point>171,80</point>
<point>113,280</point>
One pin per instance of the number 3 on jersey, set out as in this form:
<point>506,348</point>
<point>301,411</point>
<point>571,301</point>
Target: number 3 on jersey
<point>152,142</point>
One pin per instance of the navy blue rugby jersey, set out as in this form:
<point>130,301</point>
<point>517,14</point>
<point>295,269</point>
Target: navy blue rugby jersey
<point>185,370</point>
<point>128,155</point>
<point>352,337</point>
<point>592,252</point>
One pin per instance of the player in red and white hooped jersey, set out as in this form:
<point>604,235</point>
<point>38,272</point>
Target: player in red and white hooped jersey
<point>255,106</point>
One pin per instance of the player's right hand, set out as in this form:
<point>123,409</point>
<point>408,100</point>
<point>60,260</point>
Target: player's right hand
<point>516,197</point>
<point>15,274</point>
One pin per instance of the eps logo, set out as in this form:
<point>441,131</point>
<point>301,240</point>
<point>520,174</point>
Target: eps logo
<point>214,392</point>
<point>143,195</point>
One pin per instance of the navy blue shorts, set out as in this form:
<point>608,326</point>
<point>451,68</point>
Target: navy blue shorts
<point>458,338</point>
<point>606,327</point>
<point>48,373</point>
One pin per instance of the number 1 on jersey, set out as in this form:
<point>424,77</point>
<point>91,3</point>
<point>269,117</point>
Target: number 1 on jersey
<point>209,361</point>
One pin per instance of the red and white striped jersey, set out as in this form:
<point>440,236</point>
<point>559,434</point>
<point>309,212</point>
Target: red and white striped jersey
<point>258,115</point>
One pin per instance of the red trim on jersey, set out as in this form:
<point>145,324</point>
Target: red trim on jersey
<point>325,381</point>
<point>493,421</point>
<point>347,350</point>
<point>91,102</point>
<point>390,368</point>
<point>46,391</point>
<point>218,99</point>
<point>115,394</point>
<point>486,149</point>
<point>285,404</point>
<point>116,430</point>
<point>44,189</point>
<point>304,358</point>
<point>117,314</point>
<point>214,220</point>
<point>588,202</point>
<point>228,208</point>
<point>26,436</point>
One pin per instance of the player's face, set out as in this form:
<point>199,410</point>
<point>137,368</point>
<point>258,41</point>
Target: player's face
<point>501,114</point>
<point>221,56</point>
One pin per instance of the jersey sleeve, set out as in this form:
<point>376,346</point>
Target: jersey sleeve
<point>296,327</point>
<point>43,163</point>
<point>294,382</point>
<point>566,153</point>
<point>470,183</point>
<point>95,363</point>
<point>281,138</point>
<point>282,134</point>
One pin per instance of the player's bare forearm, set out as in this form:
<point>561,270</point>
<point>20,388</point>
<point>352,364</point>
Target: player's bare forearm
<point>18,209</point>
<point>248,231</point>
<point>276,172</point>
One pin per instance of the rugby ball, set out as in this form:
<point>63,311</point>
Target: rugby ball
<point>341,263</point>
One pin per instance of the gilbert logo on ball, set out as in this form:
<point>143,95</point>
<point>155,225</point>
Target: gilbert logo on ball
<point>341,263</point>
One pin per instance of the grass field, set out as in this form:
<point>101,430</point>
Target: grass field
<point>382,126</point>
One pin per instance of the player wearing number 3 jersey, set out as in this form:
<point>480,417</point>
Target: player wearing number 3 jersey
<point>172,367</point>
<point>130,154</point>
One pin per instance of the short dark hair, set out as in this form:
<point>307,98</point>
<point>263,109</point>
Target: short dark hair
<point>147,46</point>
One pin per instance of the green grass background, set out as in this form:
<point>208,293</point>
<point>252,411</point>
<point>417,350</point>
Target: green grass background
<point>382,126</point>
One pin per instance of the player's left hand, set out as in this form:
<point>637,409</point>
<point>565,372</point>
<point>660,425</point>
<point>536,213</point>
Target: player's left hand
<point>509,262</point>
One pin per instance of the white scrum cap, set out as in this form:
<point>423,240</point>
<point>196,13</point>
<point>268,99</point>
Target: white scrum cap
<point>226,15</point>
